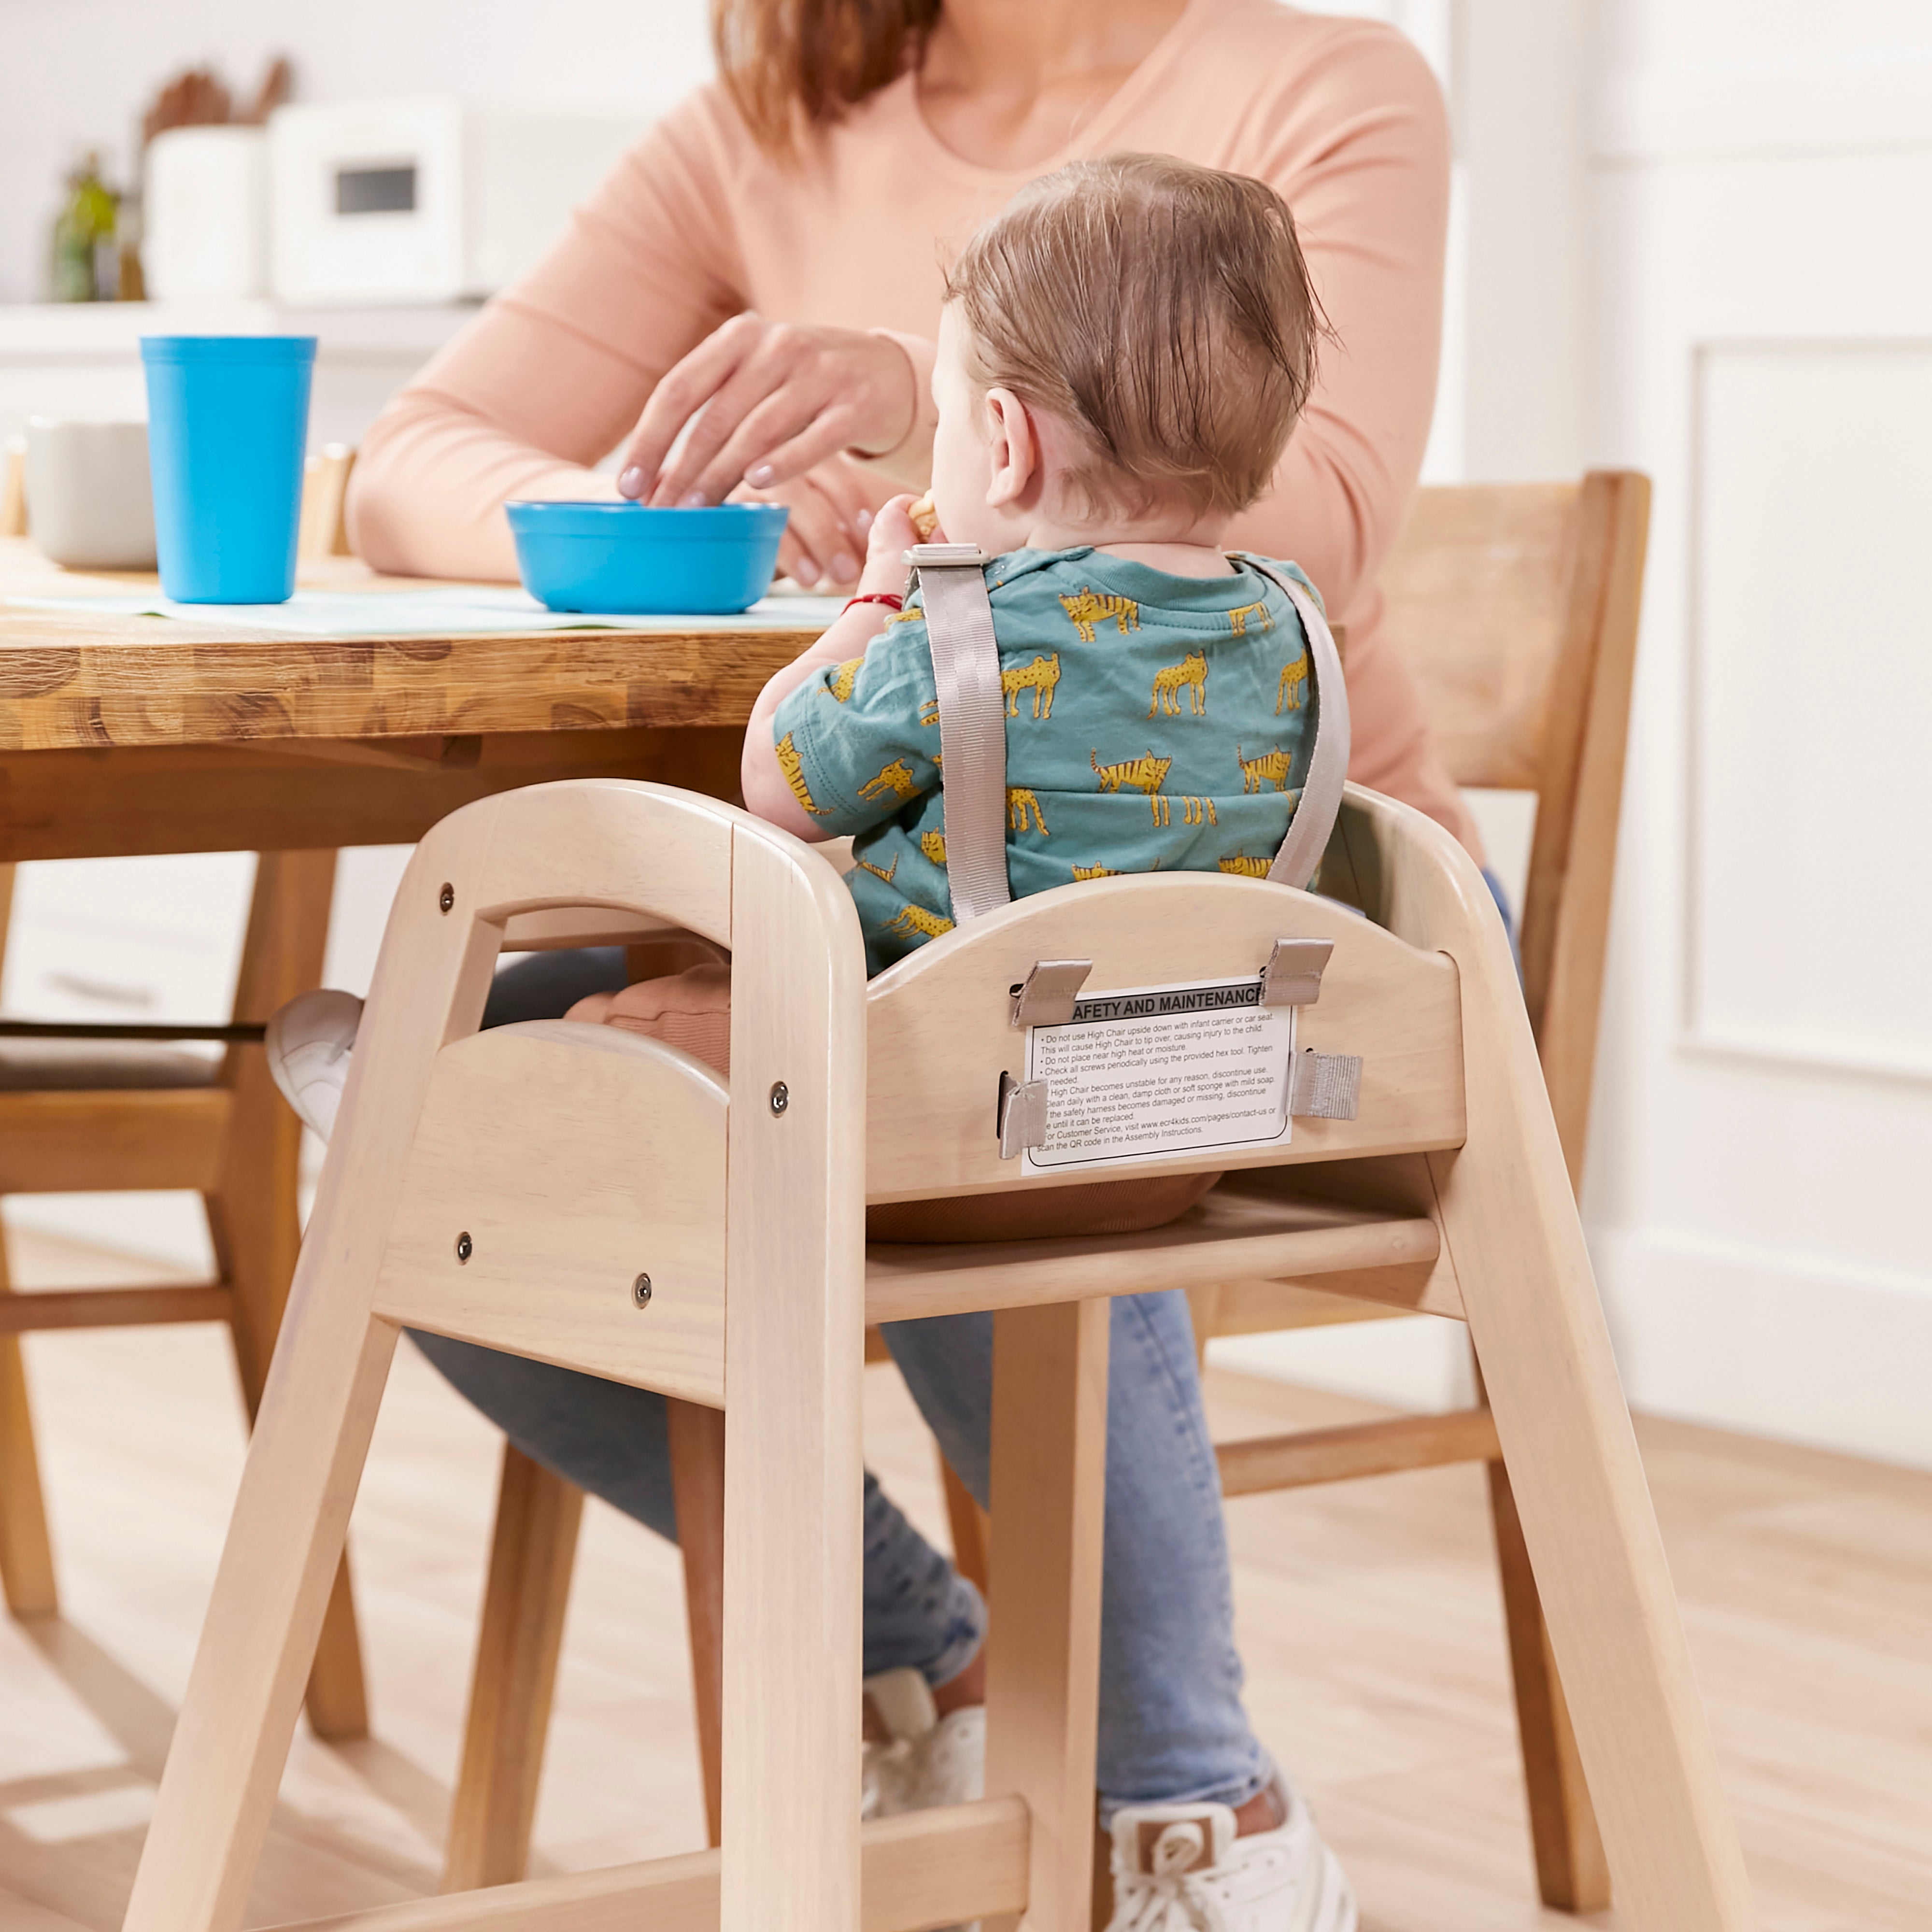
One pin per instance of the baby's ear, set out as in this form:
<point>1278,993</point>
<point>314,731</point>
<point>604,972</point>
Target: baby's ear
<point>1012,449</point>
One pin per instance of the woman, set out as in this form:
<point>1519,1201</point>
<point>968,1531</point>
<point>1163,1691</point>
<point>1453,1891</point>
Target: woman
<point>748,305</point>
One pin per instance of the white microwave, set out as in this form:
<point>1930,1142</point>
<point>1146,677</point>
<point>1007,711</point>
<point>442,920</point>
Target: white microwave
<point>427,200</point>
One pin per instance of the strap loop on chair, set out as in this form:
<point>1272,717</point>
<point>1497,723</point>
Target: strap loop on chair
<point>972,723</point>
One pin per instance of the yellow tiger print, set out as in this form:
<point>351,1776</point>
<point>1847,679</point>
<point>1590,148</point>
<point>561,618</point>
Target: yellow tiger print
<point>844,677</point>
<point>928,713</point>
<point>1090,608</point>
<point>933,844</point>
<point>894,780</point>
<point>1020,800</point>
<point>1245,867</point>
<point>1294,677</point>
<point>879,872</point>
<point>792,765</point>
<point>1198,811</point>
<point>1147,774</point>
<point>1040,677</point>
<point>1095,872</point>
<point>1189,675</point>
<point>914,922</point>
<point>1270,768</point>
<point>1237,619</point>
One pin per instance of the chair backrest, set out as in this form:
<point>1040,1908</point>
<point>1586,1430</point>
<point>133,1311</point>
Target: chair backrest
<point>324,530</point>
<point>1517,606</point>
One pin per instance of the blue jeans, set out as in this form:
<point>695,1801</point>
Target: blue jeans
<point>1172,1729</point>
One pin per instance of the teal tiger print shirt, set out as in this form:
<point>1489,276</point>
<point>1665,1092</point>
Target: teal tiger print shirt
<point>1153,723</point>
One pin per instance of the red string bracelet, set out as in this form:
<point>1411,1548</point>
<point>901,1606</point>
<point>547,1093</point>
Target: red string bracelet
<point>891,599</point>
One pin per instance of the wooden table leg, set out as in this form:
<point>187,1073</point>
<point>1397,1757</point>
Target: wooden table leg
<point>26,1553</point>
<point>253,1217</point>
<point>532,1554</point>
<point>697,1487</point>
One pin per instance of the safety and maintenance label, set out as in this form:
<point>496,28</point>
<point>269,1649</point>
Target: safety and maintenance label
<point>1149,1070</point>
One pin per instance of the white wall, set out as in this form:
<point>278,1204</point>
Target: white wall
<point>77,74</point>
<point>1694,242</point>
<point>1763,188</point>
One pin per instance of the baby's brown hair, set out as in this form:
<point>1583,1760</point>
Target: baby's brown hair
<point>1161,309</point>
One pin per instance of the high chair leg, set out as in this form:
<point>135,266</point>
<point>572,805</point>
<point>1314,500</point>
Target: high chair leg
<point>533,1550</point>
<point>277,1571</point>
<point>1049,1471</point>
<point>318,1409</point>
<point>794,1357</point>
<point>1572,1873</point>
<point>1510,1221</point>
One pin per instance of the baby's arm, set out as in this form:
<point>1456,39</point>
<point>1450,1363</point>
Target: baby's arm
<point>767,791</point>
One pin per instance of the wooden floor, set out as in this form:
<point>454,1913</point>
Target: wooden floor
<point>1368,1617</point>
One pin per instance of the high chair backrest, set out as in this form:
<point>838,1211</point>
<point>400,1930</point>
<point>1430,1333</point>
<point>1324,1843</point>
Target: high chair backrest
<point>1515,604</point>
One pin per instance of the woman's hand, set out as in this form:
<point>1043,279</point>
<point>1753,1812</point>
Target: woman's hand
<point>825,536</point>
<point>761,403</point>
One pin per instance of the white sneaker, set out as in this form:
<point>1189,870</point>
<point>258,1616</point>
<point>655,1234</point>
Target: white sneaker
<point>931,1760</point>
<point>307,1043</point>
<point>1180,1868</point>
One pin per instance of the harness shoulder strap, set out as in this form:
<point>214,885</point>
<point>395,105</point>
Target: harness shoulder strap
<point>1315,814</point>
<point>972,723</point>
<point>972,728</point>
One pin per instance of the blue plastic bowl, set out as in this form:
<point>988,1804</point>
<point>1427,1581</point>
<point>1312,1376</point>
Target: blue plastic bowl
<point>623,557</point>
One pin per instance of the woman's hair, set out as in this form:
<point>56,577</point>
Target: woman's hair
<point>1162,310</point>
<point>785,62</point>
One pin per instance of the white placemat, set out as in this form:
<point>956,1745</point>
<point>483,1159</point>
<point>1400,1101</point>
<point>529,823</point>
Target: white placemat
<point>441,610</point>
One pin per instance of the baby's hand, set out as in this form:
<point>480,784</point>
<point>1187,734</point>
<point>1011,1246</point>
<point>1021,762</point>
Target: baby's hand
<point>891,536</point>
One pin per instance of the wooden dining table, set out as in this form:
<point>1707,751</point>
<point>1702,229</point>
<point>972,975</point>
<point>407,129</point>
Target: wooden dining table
<point>122,735</point>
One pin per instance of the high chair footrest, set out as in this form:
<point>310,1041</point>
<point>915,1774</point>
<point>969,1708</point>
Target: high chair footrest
<point>1226,1238</point>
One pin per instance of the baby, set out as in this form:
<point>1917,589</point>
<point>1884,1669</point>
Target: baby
<point>1122,356</point>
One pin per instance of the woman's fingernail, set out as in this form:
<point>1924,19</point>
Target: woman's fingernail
<point>692,499</point>
<point>843,568</point>
<point>759,477</point>
<point>631,483</point>
<point>805,571</point>
<point>862,522</point>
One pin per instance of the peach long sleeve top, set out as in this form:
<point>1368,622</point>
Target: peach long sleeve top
<point>1341,115</point>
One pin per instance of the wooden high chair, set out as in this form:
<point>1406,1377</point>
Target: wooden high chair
<point>596,1199</point>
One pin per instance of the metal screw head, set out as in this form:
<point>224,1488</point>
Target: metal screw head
<point>781,1097</point>
<point>465,1247</point>
<point>446,898</point>
<point>640,1290</point>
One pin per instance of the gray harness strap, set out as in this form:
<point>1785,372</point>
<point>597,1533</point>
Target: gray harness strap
<point>972,728</point>
<point>1314,820</point>
<point>972,723</point>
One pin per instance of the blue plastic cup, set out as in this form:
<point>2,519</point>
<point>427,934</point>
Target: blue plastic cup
<point>227,427</point>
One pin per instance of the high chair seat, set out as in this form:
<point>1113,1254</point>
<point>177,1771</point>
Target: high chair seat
<point>604,1202</point>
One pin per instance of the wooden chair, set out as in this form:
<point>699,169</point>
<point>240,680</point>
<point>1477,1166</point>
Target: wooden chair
<point>107,1108</point>
<point>1516,605</point>
<point>600,1200</point>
